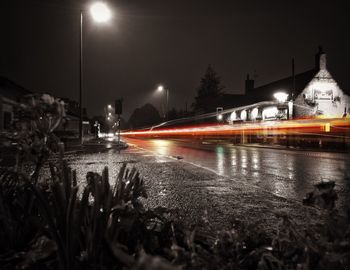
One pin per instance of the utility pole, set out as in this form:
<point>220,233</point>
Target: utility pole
<point>167,104</point>
<point>118,129</point>
<point>293,76</point>
<point>118,112</point>
<point>81,81</point>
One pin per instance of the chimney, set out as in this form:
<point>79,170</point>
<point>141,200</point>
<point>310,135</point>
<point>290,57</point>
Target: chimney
<point>249,84</point>
<point>320,59</point>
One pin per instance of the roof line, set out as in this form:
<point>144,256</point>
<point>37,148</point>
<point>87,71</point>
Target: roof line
<point>299,74</point>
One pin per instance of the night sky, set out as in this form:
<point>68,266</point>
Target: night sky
<point>167,41</point>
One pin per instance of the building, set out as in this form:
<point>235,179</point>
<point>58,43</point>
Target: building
<point>322,95</point>
<point>10,95</point>
<point>310,94</point>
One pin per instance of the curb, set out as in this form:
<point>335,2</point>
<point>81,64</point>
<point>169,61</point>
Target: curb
<point>91,146</point>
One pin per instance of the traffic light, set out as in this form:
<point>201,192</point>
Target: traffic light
<point>118,106</point>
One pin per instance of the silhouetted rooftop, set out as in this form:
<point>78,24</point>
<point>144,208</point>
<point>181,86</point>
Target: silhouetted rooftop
<point>11,90</point>
<point>265,92</point>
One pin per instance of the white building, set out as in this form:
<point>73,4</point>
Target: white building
<point>322,95</point>
<point>310,94</point>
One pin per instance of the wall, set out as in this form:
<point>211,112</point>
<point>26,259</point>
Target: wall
<point>322,96</point>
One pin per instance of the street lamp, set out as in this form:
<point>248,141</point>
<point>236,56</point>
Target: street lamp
<point>219,116</point>
<point>100,13</point>
<point>161,89</point>
<point>281,97</point>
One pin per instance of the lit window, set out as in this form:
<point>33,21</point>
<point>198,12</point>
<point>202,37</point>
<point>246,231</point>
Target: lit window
<point>244,115</point>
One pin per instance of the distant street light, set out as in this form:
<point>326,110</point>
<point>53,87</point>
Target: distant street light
<point>100,13</point>
<point>281,97</point>
<point>219,116</point>
<point>161,89</point>
<point>109,106</point>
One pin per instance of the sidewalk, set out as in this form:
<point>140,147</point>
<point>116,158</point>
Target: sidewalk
<point>94,144</point>
<point>291,148</point>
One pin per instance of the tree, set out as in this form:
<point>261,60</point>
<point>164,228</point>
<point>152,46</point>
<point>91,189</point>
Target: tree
<point>145,116</point>
<point>209,92</point>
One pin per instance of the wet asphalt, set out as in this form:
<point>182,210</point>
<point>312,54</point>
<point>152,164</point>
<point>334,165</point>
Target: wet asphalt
<point>227,182</point>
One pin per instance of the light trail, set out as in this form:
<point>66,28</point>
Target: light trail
<point>335,126</point>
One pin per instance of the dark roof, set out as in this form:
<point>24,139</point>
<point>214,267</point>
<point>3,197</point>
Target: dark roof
<point>11,90</point>
<point>228,101</point>
<point>265,92</point>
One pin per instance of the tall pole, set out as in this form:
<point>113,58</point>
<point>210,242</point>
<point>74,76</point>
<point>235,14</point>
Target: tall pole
<point>293,76</point>
<point>167,103</point>
<point>118,129</point>
<point>81,81</point>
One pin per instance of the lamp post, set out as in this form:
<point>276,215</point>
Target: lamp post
<point>110,117</point>
<point>161,89</point>
<point>281,98</point>
<point>100,13</point>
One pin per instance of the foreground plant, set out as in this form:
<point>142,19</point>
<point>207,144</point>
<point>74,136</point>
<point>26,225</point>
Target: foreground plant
<point>37,116</point>
<point>103,225</point>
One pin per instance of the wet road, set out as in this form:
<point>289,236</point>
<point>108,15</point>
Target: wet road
<point>226,182</point>
<point>285,173</point>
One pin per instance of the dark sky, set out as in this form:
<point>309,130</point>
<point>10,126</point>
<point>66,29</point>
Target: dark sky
<point>167,41</point>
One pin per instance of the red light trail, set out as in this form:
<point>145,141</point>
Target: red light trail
<point>337,127</point>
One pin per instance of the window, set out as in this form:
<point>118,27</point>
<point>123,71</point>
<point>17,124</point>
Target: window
<point>323,94</point>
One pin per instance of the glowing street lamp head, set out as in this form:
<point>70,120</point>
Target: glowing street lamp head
<point>109,106</point>
<point>100,12</point>
<point>160,88</point>
<point>281,97</point>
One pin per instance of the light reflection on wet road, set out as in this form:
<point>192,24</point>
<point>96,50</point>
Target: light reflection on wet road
<point>286,173</point>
